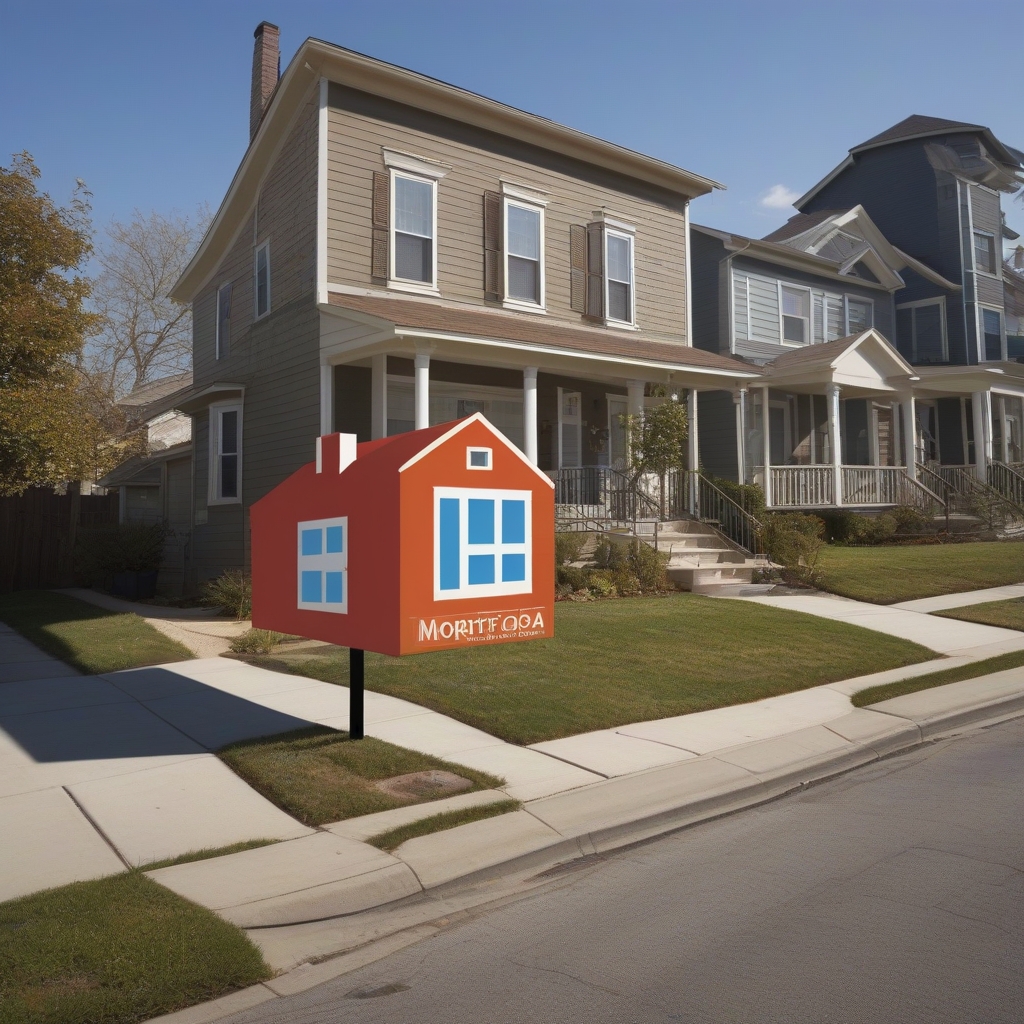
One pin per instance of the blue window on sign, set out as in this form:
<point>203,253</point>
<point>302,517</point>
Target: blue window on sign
<point>482,542</point>
<point>323,565</point>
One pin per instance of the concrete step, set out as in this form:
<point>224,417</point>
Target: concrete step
<point>694,577</point>
<point>726,589</point>
<point>713,556</point>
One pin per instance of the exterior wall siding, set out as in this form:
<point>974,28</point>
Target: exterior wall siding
<point>716,433</point>
<point>361,125</point>
<point>710,292</point>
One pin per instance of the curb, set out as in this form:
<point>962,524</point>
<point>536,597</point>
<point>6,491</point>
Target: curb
<point>864,736</point>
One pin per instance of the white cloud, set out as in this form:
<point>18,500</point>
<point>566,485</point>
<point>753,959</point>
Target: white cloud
<point>778,197</point>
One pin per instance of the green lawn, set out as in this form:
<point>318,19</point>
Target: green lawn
<point>889,574</point>
<point>1008,614</point>
<point>88,638</point>
<point>620,661</point>
<point>116,951</point>
<point>319,775</point>
<point>1000,663</point>
<point>394,837</point>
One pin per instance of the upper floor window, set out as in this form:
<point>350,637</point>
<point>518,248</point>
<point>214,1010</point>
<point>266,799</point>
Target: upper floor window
<point>223,341</point>
<point>524,253</point>
<point>796,314</point>
<point>262,280</point>
<point>992,328</point>
<point>414,223</point>
<point>984,252</point>
<point>225,453</point>
<point>859,315</point>
<point>921,328</point>
<point>619,276</point>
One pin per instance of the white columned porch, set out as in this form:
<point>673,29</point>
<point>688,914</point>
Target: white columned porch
<point>909,435</point>
<point>693,447</point>
<point>326,399</point>
<point>981,411</point>
<point>767,443</point>
<point>530,413</point>
<point>422,365</point>
<point>378,396</point>
<point>835,441</point>
<point>740,400</point>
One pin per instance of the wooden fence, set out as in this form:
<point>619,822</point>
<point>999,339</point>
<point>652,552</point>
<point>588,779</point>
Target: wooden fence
<point>38,530</point>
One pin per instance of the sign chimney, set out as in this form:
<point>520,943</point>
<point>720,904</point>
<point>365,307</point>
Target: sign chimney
<point>266,69</point>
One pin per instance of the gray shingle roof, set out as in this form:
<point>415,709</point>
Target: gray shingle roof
<point>800,223</point>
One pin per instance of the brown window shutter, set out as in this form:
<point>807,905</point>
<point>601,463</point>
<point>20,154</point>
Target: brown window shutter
<point>595,271</point>
<point>494,277</point>
<point>578,268</point>
<point>381,211</point>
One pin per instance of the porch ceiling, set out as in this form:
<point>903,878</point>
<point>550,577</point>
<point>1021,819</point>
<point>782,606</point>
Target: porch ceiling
<point>954,381</point>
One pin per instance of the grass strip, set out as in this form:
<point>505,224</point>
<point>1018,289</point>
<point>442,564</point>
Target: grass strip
<point>612,663</point>
<point>207,853</point>
<point>90,639</point>
<point>319,775</point>
<point>1008,614</point>
<point>394,837</point>
<point>889,574</point>
<point>116,951</point>
<point>874,694</point>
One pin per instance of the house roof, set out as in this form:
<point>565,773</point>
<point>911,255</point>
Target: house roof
<point>799,223</point>
<point>316,59</point>
<point>482,322</point>
<point>144,469</point>
<point>157,390</point>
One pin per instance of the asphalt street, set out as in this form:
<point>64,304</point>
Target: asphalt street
<point>893,893</point>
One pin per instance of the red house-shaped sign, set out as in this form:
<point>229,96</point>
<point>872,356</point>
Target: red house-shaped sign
<point>431,539</point>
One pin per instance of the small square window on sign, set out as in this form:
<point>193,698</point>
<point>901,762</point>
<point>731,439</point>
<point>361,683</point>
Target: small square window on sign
<point>323,565</point>
<point>478,458</point>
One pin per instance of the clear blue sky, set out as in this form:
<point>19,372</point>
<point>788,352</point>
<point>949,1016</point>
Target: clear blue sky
<point>148,102</point>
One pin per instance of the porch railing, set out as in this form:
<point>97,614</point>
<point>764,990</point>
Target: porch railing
<point>715,507</point>
<point>966,494</point>
<point>887,485</point>
<point>594,494</point>
<point>1008,481</point>
<point>802,486</point>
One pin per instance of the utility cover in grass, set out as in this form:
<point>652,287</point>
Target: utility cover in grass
<point>429,785</point>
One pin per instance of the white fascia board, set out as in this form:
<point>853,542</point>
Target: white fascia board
<point>926,272</point>
<point>477,417</point>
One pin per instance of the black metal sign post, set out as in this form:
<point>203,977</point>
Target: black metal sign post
<point>355,694</point>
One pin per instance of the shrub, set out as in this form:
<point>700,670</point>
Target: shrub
<point>572,577</point>
<point>102,551</point>
<point>232,591</point>
<point>635,567</point>
<point>568,546</point>
<point>845,527</point>
<point>256,641</point>
<point>792,540</point>
<point>750,497</point>
<point>601,583</point>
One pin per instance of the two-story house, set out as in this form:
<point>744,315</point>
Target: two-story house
<point>395,252</point>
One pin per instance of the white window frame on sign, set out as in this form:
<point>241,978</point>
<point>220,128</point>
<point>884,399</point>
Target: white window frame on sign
<point>323,562</point>
<point>613,229</point>
<point>404,283</point>
<point>223,295</point>
<point>808,319</point>
<point>215,495</point>
<point>532,206</point>
<point>263,247</point>
<point>497,549</point>
<point>488,454</point>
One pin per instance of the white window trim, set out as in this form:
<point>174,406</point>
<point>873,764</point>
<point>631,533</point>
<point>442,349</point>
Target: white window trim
<point>335,561</point>
<point>847,299</point>
<point>939,300</point>
<point>416,166</point>
<point>620,230</point>
<point>981,306</point>
<point>996,261</point>
<point>257,315</point>
<point>400,283</point>
<point>217,354</point>
<point>216,410</point>
<point>470,452</point>
<point>808,320</point>
<point>527,193</point>
<point>534,207</point>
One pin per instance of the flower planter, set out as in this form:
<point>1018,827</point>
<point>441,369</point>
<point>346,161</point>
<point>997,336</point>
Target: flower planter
<point>134,585</point>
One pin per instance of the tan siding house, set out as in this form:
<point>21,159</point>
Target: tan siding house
<point>395,252</point>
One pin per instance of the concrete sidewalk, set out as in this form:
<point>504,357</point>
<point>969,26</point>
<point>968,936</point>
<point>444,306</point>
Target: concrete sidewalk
<point>944,601</point>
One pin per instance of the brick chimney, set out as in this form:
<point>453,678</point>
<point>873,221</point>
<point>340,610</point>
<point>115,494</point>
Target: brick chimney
<point>266,69</point>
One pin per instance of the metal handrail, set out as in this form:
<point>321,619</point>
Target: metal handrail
<point>715,507</point>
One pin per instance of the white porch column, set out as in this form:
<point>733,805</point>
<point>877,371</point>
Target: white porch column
<point>1004,434</point>
<point>634,402</point>
<point>740,398</point>
<point>835,441</point>
<point>766,438</point>
<point>981,412</point>
<point>897,434</point>
<point>693,446</point>
<point>326,398</point>
<point>422,364</point>
<point>530,413</point>
<point>909,435</point>
<point>378,396</point>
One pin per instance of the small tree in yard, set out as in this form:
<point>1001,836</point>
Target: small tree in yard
<point>47,433</point>
<point>657,443</point>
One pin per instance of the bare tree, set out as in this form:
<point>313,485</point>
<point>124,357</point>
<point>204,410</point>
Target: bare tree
<point>143,333</point>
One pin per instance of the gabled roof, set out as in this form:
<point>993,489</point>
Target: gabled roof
<point>316,59</point>
<point>800,223</point>
<point>156,390</point>
<point>919,126</point>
